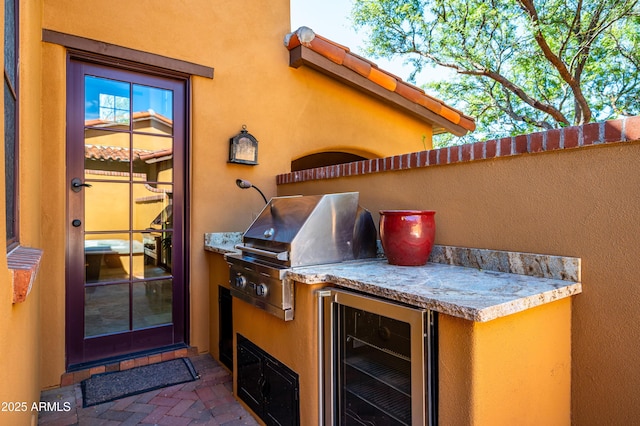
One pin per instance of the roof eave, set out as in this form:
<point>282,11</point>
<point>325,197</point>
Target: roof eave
<point>302,55</point>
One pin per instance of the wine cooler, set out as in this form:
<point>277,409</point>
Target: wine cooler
<point>378,366</point>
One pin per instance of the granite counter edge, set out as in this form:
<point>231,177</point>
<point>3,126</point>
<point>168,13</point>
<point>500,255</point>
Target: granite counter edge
<point>459,309</point>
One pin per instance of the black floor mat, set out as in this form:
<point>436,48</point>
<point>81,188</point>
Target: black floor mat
<point>107,387</point>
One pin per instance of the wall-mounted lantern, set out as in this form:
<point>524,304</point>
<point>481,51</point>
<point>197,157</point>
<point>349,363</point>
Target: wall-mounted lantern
<point>243,148</point>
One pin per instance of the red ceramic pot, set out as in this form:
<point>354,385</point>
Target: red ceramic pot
<point>407,236</point>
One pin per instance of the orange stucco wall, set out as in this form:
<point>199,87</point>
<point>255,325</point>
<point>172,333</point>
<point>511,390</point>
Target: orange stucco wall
<point>218,276</point>
<point>286,109</point>
<point>578,202</point>
<point>20,324</point>
<point>581,203</point>
<point>293,343</point>
<point>513,370</point>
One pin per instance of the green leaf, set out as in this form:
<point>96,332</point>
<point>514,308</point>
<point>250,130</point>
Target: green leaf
<point>517,71</point>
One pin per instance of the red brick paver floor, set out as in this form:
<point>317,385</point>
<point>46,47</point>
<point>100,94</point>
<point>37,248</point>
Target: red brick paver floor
<point>206,401</point>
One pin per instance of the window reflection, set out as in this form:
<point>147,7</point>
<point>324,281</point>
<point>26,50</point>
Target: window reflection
<point>107,206</point>
<point>152,303</point>
<point>153,156</point>
<point>158,102</point>
<point>106,150</point>
<point>151,208</point>
<point>112,257</point>
<point>107,102</point>
<point>157,253</point>
<point>106,309</point>
<point>114,108</point>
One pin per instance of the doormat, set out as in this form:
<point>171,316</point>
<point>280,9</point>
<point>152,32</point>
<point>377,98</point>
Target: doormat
<point>107,387</point>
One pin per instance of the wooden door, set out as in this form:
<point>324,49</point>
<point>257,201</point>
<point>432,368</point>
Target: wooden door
<point>126,201</point>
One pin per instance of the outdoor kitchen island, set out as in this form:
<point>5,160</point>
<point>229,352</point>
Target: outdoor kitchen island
<point>503,329</point>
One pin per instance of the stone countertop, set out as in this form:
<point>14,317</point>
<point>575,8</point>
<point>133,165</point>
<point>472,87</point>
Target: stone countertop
<point>222,242</point>
<point>464,292</point>
<point>475,284</point>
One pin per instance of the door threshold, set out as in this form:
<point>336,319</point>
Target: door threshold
<point>79,372</point>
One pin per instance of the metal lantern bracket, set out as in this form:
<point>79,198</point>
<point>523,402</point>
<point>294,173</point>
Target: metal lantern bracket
<point>243,148</point>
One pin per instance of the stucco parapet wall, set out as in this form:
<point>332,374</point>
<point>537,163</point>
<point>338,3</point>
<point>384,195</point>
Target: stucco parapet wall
<point>577,137</point>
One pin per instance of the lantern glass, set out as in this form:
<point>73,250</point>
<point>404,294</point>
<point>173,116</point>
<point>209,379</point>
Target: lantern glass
<point>243,148</point>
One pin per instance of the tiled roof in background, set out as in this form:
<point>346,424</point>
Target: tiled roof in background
<point>338,62</point>
<point>106,153</point>
<point>118,153</point>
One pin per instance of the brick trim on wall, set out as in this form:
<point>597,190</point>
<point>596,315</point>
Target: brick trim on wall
<point>606,132</point>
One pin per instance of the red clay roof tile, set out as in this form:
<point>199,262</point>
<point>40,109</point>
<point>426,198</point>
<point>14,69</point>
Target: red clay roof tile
<point>343,57</point>
<point>122,154</point>
<point>357,64</point>
<point>383,79</point>
<point>332,51</point>
<point>106,153</point>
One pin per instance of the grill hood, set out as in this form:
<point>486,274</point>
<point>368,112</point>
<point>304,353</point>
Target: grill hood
<point>311,230</point>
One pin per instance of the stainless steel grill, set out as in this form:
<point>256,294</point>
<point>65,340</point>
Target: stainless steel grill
<point>297,231</point>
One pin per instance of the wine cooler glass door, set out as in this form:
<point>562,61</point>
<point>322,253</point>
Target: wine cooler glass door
<point>377,361</point>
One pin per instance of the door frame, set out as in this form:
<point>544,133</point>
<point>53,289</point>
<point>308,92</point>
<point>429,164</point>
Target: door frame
<point>181,325</point>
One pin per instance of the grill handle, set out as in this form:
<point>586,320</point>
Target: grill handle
<point>284,255</point>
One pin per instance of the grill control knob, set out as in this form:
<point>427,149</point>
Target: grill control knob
<point>240,281</point>
<point>261,290</point>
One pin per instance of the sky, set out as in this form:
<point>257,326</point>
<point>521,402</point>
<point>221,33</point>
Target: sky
<point>331,19</point>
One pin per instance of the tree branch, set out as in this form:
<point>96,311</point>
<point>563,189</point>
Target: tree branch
<point>582,104</point>
<point>508,84</point>
<point>508,109</point>
<point>594,30</point>
<point>574,24</point>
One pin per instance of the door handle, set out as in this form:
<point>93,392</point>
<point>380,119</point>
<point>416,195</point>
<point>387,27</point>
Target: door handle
<point>77,184</point>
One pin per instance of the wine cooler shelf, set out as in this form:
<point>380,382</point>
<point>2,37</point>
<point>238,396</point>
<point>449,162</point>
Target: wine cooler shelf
<point>393,406</point>
<point>387,369</point>
<point>377,385</point>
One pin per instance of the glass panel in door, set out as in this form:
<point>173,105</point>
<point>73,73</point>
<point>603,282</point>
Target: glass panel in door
<point>375,368</point>
<point>128,208</point>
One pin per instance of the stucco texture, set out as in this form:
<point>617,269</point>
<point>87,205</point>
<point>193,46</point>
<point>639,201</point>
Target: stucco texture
<point>20,325</point>
<point>293,343</point>
<point>286,109</point>
<point>580,203</point>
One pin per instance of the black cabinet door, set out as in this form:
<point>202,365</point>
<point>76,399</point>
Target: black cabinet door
<point>250,377</point>
<point>225,321</point>
<point>281,394</point>
<point>267,386</point>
